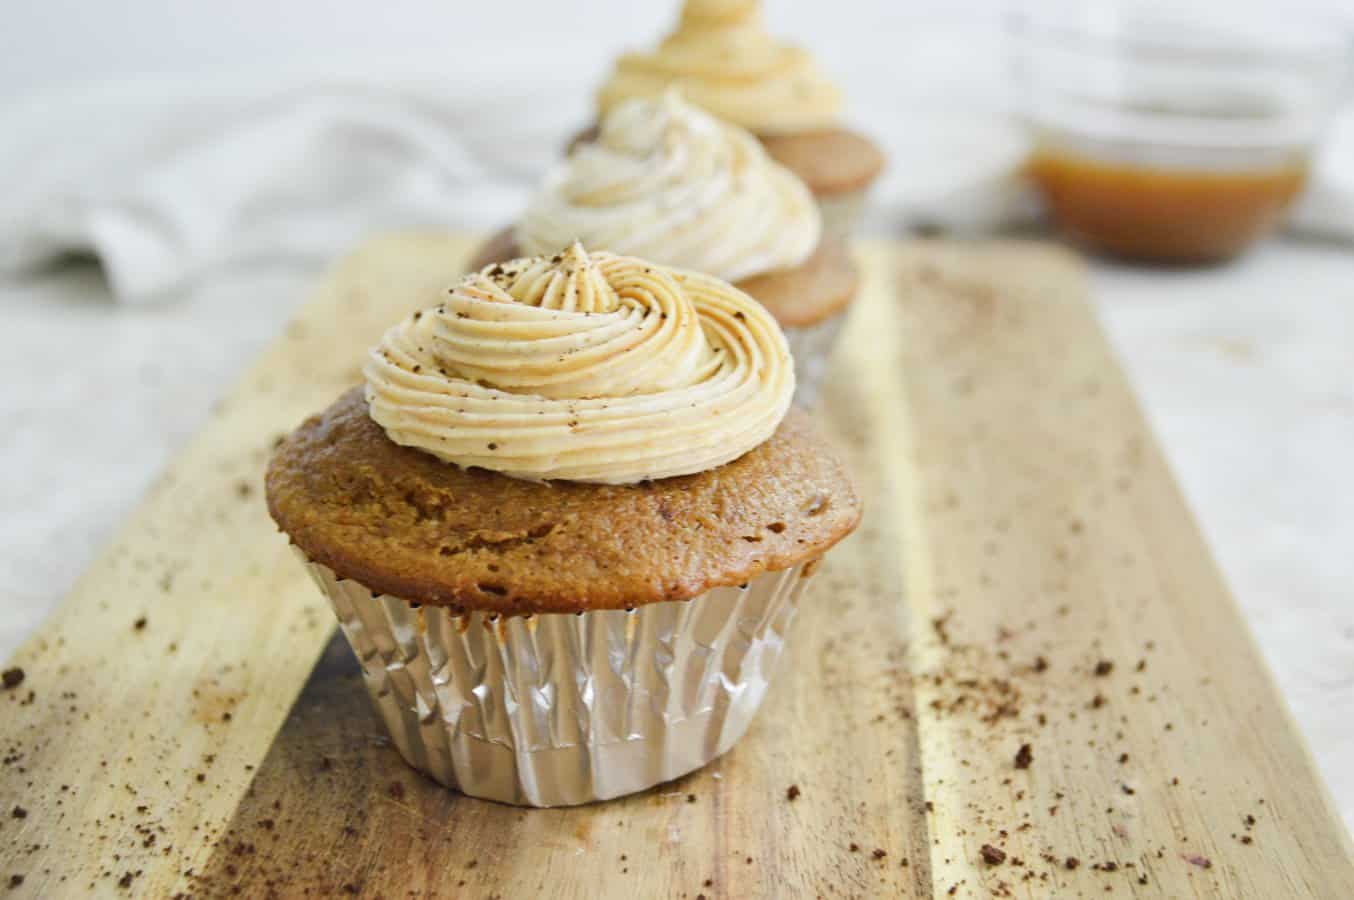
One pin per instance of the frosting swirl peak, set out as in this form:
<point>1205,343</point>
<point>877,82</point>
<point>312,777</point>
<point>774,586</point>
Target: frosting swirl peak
<point>668,182</point>
<point>723,59</point>
<point>598,368</point>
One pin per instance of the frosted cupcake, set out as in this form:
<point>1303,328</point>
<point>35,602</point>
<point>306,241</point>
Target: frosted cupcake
<point>668,182</point>
<point>565,524</point>
<point>724,61</point>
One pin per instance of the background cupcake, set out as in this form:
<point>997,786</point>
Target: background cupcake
<point>668,182</point>
<point>723,59</point>
<point>565,524</point>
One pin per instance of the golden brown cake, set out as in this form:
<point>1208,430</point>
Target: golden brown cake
<point>405,523</point>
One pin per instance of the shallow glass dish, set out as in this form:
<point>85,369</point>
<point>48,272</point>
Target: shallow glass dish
<point>1173,135</point>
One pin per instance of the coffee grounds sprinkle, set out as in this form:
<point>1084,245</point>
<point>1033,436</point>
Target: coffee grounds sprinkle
<point>993,856</point>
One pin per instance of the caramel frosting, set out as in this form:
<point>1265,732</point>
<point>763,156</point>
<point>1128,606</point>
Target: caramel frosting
<point>597,368</point>
<point>725,62</point>
<point>668,182</point>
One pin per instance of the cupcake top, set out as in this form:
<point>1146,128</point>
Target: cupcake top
<point>559,434</point>
<point>724,61</point>
<point>583,367</point>
<point>402,522</point>
<point>668,182</point>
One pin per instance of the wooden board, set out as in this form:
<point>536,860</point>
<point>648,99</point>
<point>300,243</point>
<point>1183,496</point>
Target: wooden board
<point>1027,574</point>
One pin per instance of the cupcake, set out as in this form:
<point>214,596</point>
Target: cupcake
<point>724,61</point>
<point>668,182</point>
<point>565,524</point>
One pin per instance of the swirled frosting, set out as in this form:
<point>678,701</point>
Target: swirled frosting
<point>724,61</point>
<point>596,368</point>
<point>668,182</point>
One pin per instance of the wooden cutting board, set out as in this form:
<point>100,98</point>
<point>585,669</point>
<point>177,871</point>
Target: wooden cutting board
<point>1027,576</point>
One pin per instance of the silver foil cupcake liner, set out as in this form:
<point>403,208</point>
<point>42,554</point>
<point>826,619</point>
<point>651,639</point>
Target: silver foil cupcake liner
<point>562,709</point>
<point>812,349</point>
<point>842,213</point>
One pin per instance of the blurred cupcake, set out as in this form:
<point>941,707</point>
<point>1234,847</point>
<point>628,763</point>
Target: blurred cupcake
<point>668,182</point>
<point>724,61</point>
<point>565,524</point>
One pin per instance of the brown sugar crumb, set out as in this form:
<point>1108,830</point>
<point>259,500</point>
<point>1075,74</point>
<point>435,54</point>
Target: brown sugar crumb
<point>792,792</point>
<point>15,881</point>
<point>854,847</point>
<point>1247,839</point>
<point>1071,863</point>
<point>1103,668</point>
<point>126,880</point>
<point>12,678</point>
<point>690,798</point>
<point>19,813</point>
<point>1202,862</point>
<point>993,856</point>
<point>941,626</point>
<point>879,853</point>
<point>139,624</point>
<point>1024,756</point>
<point>1040,664</point>
<point>1098,701</point>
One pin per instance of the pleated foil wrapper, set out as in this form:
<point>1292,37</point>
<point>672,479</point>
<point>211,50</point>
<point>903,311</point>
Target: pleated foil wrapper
<point>563,709</point>
<point>812,348</point>
<point>842,213</point>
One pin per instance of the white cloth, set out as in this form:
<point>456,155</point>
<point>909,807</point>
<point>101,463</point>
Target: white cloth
<point>164,181</point>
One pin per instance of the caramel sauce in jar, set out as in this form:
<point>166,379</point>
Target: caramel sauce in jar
<point>1161,213</point>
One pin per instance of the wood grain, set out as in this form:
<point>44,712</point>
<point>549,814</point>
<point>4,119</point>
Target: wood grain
<point>1073,606</point>
<point>163,677</point>
<point>836,726</point>
<point>1022,534</point>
